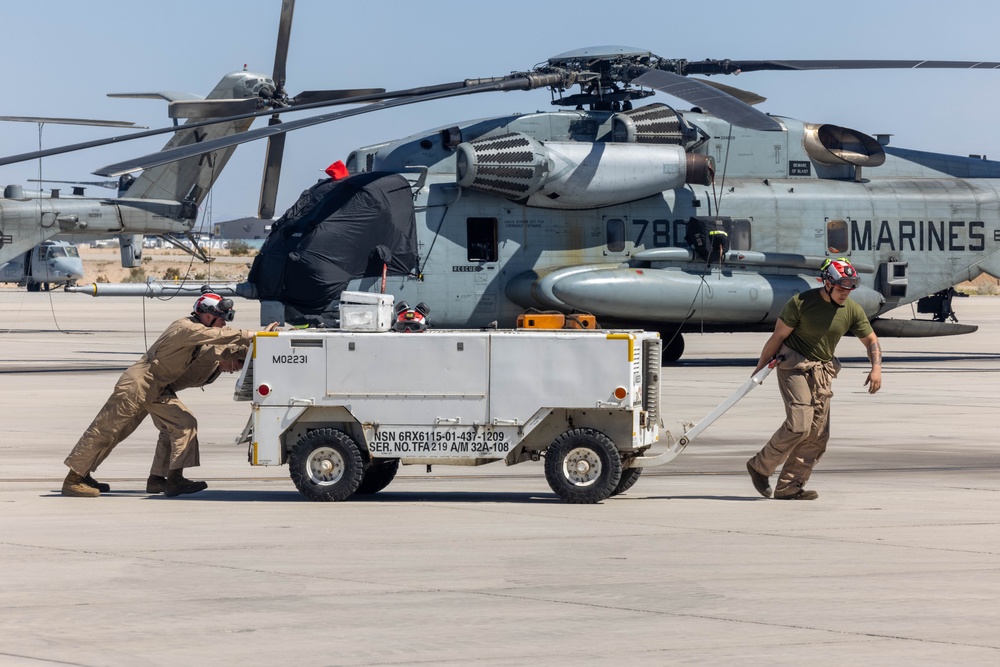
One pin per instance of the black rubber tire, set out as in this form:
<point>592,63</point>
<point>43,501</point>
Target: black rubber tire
<point>34,287</point>
<point>629,477</point>
<point>583,466</point>
<point>326,465</point>
<point>378,476</point>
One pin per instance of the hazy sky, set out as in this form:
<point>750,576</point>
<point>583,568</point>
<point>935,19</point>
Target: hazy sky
<point>60,58</point>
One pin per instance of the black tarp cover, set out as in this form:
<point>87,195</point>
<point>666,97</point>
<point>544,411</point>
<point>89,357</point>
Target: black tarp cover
<point>337,231</point>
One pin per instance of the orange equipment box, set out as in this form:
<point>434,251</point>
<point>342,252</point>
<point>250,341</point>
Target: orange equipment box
<point>541,321</point>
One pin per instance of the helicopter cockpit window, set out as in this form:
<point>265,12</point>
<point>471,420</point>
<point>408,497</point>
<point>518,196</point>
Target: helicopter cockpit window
<point>616,235</point>
<point>72,251</point>
<point>482,236</point>
<point>57,251</point>
<point>836,236</point>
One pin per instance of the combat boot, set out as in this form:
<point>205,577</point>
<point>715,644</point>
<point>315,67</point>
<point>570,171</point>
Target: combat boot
<point>156,484</point>
<point>801,494</point>
<point>178,485</point>
<point>94,484</point>
<point>76,486</point>
<point>760,481</point>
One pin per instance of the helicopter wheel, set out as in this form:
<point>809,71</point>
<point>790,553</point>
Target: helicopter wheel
<point>673,349</point>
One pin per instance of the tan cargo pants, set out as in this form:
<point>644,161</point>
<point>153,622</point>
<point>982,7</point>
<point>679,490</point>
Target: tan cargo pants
<point>801,440</point>
<point>177,446</point>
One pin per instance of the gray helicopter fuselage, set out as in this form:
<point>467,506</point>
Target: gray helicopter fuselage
<point>919,222</point>
<point>162,200</point>
<point>50,263</point>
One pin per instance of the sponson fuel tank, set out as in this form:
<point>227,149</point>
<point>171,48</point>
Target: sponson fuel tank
<point>736,298</point>
<point>570,175</point>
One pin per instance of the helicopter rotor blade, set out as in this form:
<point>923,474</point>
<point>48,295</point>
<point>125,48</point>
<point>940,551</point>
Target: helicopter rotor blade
<point>745,96</point>
<point>272,172</point>
<point>210,108</point>
<point>281,49</point>
<point>110,185</point>
<point>720,103</point>
<point>400,98</point>
<point>737,66</point>
<point>317,96</point>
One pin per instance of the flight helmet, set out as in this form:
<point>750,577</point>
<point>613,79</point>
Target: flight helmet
<point>213,304</point>
<point>840,272</point>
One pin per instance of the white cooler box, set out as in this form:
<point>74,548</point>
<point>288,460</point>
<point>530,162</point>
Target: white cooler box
<point>364,311</point>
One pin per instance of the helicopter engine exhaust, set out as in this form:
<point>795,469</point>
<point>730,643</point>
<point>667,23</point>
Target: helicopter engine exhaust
<point>575,175</point>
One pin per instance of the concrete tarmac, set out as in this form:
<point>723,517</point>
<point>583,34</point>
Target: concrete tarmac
<point>897,562</point>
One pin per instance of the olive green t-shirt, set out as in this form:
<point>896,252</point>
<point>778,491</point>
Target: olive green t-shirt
<point>819,324</point>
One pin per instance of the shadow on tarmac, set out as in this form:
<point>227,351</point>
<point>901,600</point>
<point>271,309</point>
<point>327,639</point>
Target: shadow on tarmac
<point>894,359</point>
<point>501,497</point>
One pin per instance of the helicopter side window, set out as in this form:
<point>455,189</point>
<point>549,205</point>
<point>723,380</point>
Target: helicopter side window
<point>836,236</point>
<point>739,235</point>
<point>482,239</point>
<point>616,235</point>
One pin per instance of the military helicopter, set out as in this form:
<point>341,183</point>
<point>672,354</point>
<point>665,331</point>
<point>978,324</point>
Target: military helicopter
<point>50,263</point>
<point>162,201</point>
<point>704,219</point>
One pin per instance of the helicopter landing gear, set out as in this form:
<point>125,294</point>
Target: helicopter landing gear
<point>939,304</point>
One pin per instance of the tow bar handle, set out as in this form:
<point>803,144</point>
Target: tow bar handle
<point>756,379</point>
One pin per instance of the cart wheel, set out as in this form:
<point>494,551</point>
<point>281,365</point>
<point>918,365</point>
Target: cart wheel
<point>583,466</point>
<point>326,465</point>
<point>629,477</point>
<point>378,476</point>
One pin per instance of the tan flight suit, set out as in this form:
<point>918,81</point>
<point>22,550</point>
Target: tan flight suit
<point>800,442</point>
<point>203,370</point>
<point>139,390</point>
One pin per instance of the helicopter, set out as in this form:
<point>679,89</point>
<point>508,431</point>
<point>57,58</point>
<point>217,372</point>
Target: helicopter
<point>646,215</point>
<point>162,201</point>
<point>47,264</point>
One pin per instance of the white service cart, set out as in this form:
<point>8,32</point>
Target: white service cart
<point>345,408</point>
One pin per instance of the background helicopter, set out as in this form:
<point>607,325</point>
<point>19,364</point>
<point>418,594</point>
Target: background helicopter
<point>52,263</point>
<point>791,241</point>
<point>165,200</point>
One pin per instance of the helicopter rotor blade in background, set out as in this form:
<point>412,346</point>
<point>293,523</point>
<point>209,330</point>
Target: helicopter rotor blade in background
<point>211,108</point>
<point>281,49</point>
<point>276,143</point>
<point>72,121</point>
<point>272,172</point>
<point>700,94</point>
<point>110,185</point>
